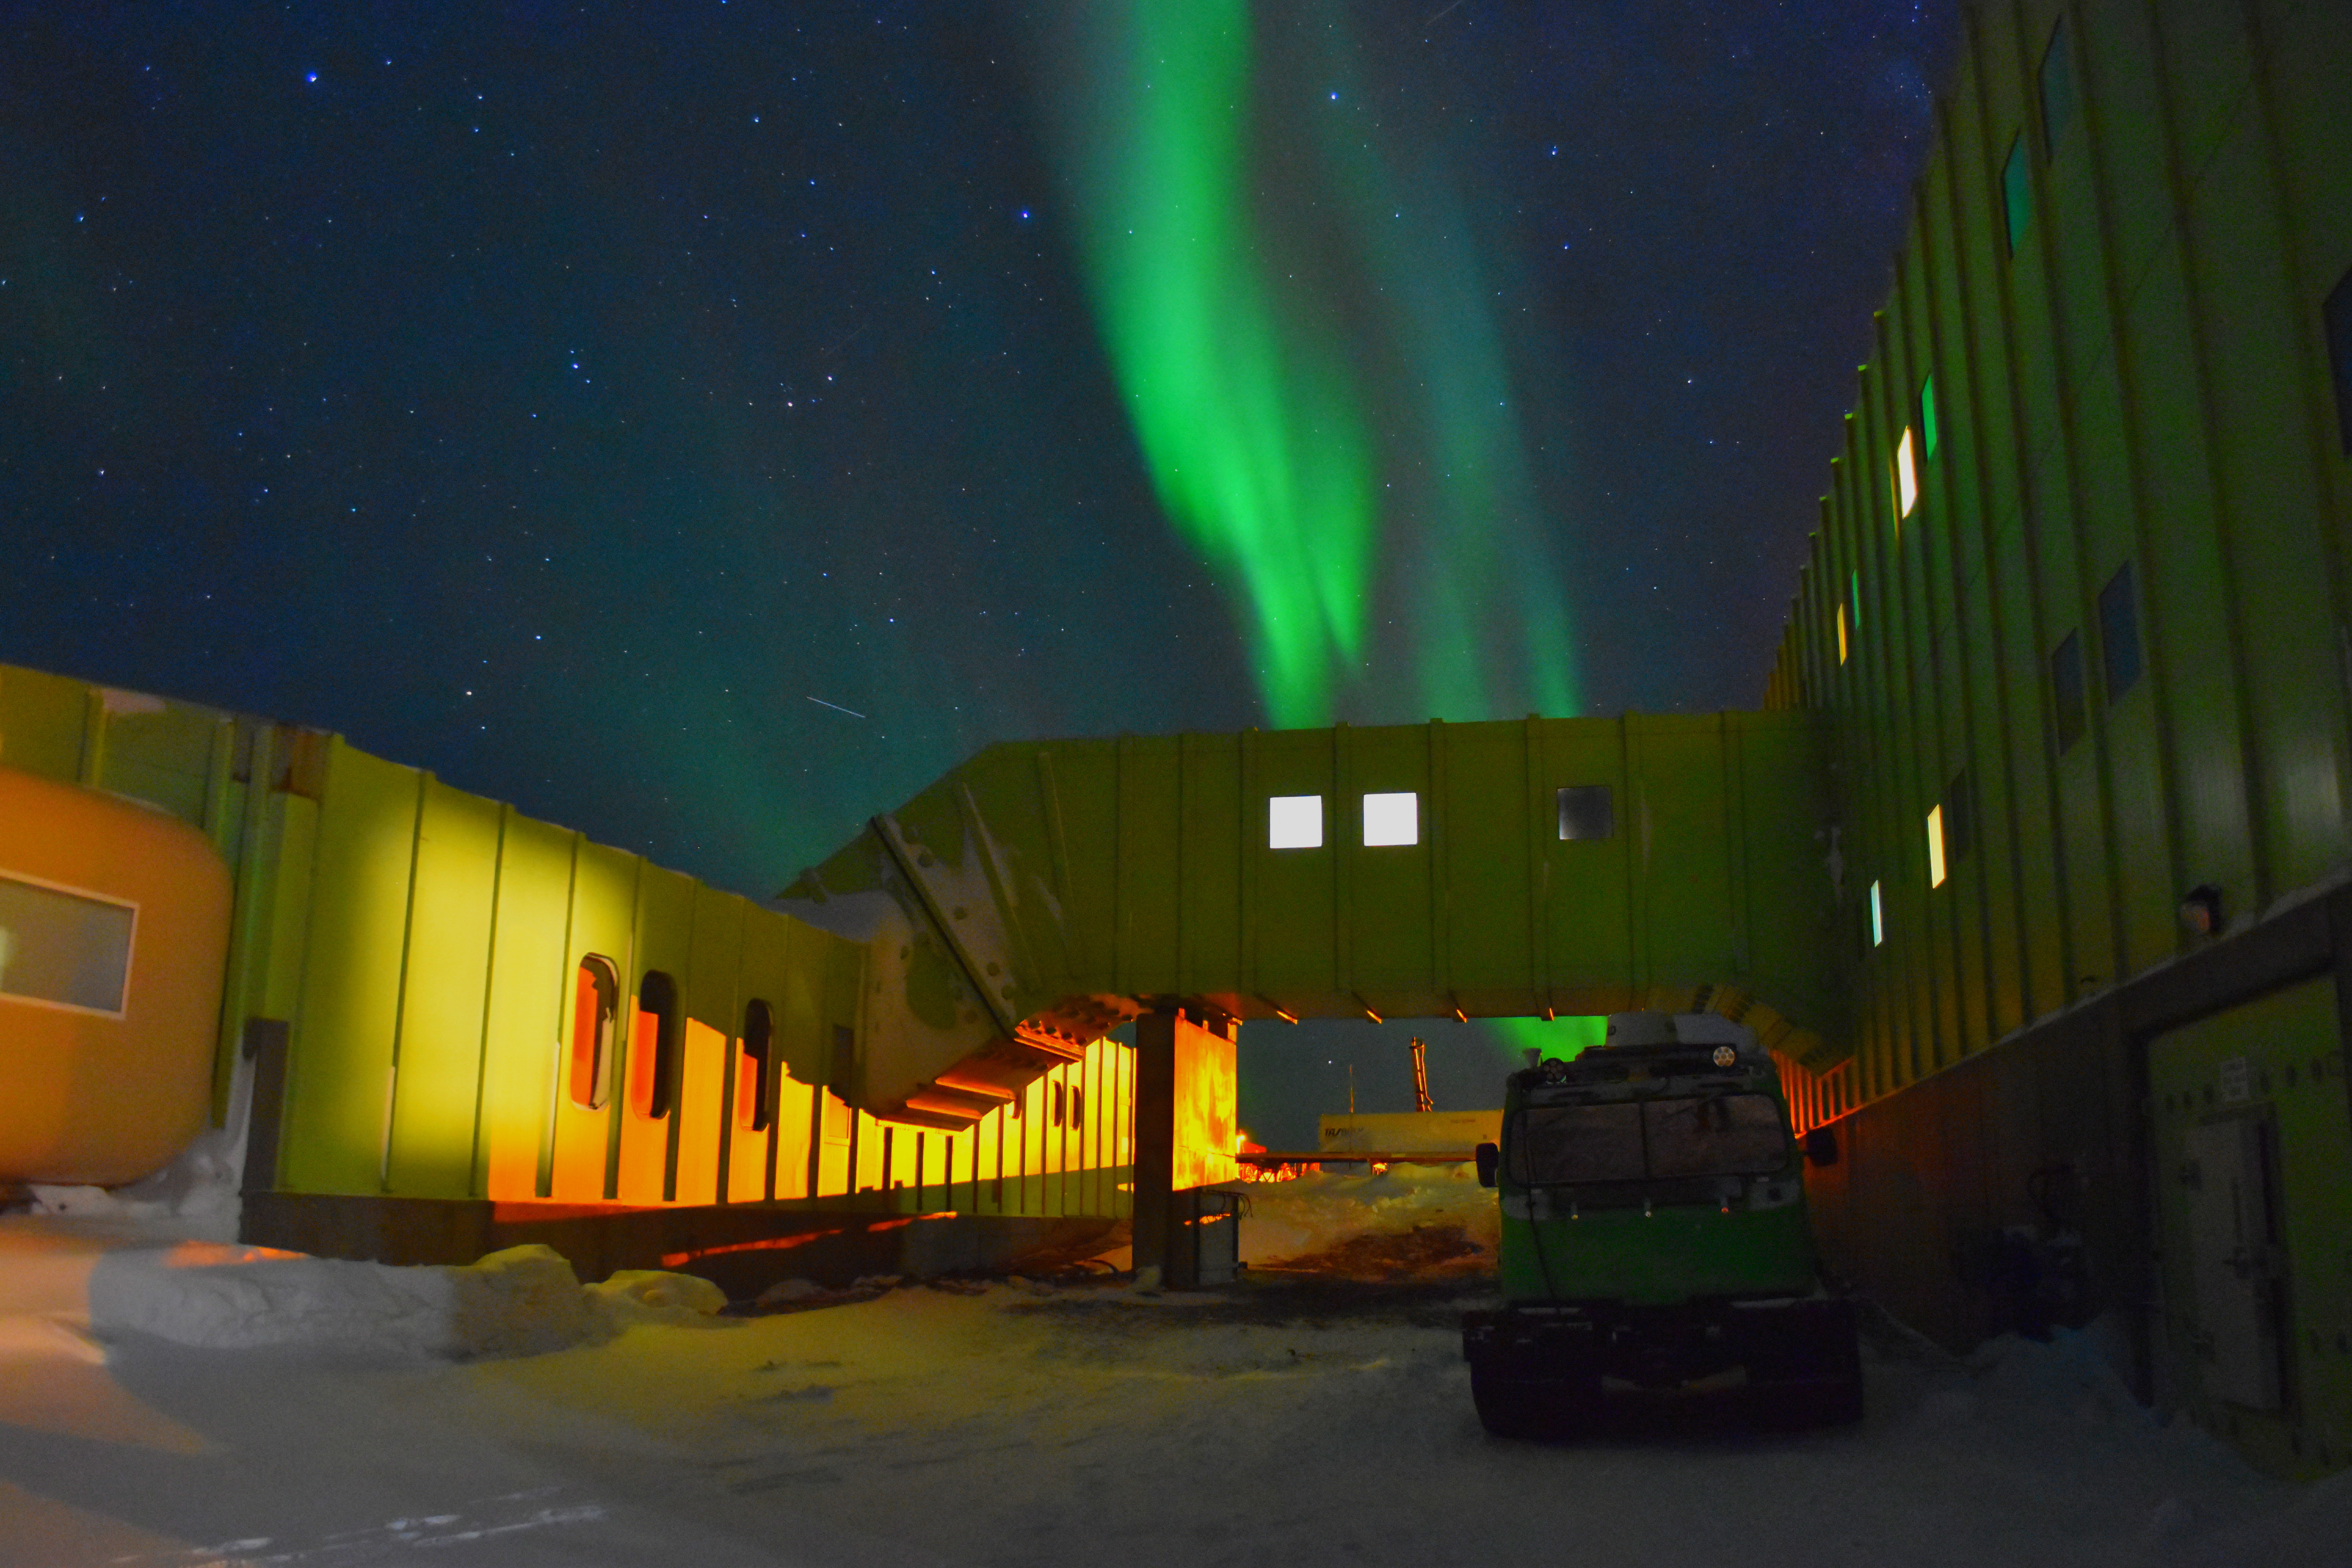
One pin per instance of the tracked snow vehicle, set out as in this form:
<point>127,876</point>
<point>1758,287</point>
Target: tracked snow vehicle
<point>1654,1238</point>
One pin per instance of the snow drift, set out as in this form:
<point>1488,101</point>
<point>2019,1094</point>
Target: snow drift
<point>521,1301</point>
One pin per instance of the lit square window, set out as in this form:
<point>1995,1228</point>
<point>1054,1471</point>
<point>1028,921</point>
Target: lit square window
<point>1392,819</point>
<point>1906,476</point>
<point>1935,845</point>
<point>1294,822</point>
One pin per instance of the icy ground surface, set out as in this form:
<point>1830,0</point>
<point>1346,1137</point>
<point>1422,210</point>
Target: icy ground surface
<point>1308,1418</point>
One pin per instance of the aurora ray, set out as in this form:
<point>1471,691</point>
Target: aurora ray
<point>1321,391</point>
<point>1243,412</point>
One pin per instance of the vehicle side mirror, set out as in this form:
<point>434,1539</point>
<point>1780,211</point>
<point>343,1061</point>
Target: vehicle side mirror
<point>1490,1156</point>
<point>1821,1146</point>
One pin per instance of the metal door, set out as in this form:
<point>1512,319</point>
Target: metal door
<point>2232,1227</point>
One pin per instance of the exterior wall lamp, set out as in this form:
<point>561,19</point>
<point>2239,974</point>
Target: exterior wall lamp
<point>2200,910</point>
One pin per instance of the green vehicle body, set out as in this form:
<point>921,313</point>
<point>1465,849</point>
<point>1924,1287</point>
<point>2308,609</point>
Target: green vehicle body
<point>1654,1238</point>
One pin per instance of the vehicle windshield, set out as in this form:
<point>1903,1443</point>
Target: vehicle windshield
<point>1631,1141</point>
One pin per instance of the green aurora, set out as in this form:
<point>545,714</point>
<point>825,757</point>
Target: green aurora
<point>1304,334</point>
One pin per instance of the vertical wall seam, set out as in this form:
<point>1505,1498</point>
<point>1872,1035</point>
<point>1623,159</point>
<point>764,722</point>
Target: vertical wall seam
<point>730,1064</point>
<point>1340,760</point>
<point>2032,520</point>
<point>2251,762</point>
<point>1542,853</point>
<point>625,1032</point>
<point>2066,447</point>
<point>1975,309</point>
<point>477,1172</point>
<point>1941,297</point>
<point>674,1137</point>
<point>566,1001</point>
<point>2155,665</point>
<point>2317,398</point>
<point>400,996</point>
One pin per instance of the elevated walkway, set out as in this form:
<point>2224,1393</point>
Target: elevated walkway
<point>1044,892</point>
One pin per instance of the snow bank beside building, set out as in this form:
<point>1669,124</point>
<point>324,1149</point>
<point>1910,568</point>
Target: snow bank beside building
<point>522,1301</point>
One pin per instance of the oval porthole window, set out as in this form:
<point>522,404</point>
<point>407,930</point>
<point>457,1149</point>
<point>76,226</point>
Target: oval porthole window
<point>754,1087</point>
<point>595,1005</point>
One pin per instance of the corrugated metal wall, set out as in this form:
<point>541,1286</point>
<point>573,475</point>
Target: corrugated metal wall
<point>2104,649</point>
<point>424,945</point>
<point>1076,881</point>
<point>2129,402</point>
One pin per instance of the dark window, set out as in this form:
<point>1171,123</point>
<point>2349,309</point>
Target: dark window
<point>1734,1134</point>
<point>1587,811</point>
<point>1060,1105</point>
<point>1077,1106</point>
<point>2119,633</point>
<point>844,1053</point>
<point>2057,89</point>
<point>2339,356</point>
<point>595,1003</point>
<point>2017,192</point>
<point>1959,815</point>
<point>658,1018</point>
<point>754,1089</point>
<point>2066,690</point>
<point>1566,1144</point>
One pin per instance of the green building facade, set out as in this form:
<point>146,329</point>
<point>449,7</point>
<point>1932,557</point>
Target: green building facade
<point>2078,611</point>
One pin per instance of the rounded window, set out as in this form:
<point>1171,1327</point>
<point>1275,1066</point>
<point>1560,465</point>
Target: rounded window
<point>659,1018</point>
<point>595,1005</point>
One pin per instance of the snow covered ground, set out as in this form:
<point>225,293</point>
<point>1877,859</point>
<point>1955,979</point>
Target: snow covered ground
<point>1309,1416</point>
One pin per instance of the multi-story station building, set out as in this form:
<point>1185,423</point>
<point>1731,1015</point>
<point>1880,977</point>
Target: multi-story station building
<point>2079,615</point>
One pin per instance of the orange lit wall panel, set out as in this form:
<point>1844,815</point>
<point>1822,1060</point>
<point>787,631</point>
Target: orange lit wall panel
<point>1206,1079</point>
<point>794,1134</point>
<point>867,1150</point>
<point>645,1143</point>
<point>833,1159</point>
<point>700,1106</point>
<point>579,1153</point>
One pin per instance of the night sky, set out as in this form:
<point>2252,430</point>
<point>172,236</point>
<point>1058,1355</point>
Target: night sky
<point>574,400</point>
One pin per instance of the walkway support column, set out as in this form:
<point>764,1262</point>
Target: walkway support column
<point>1155,1140</point>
